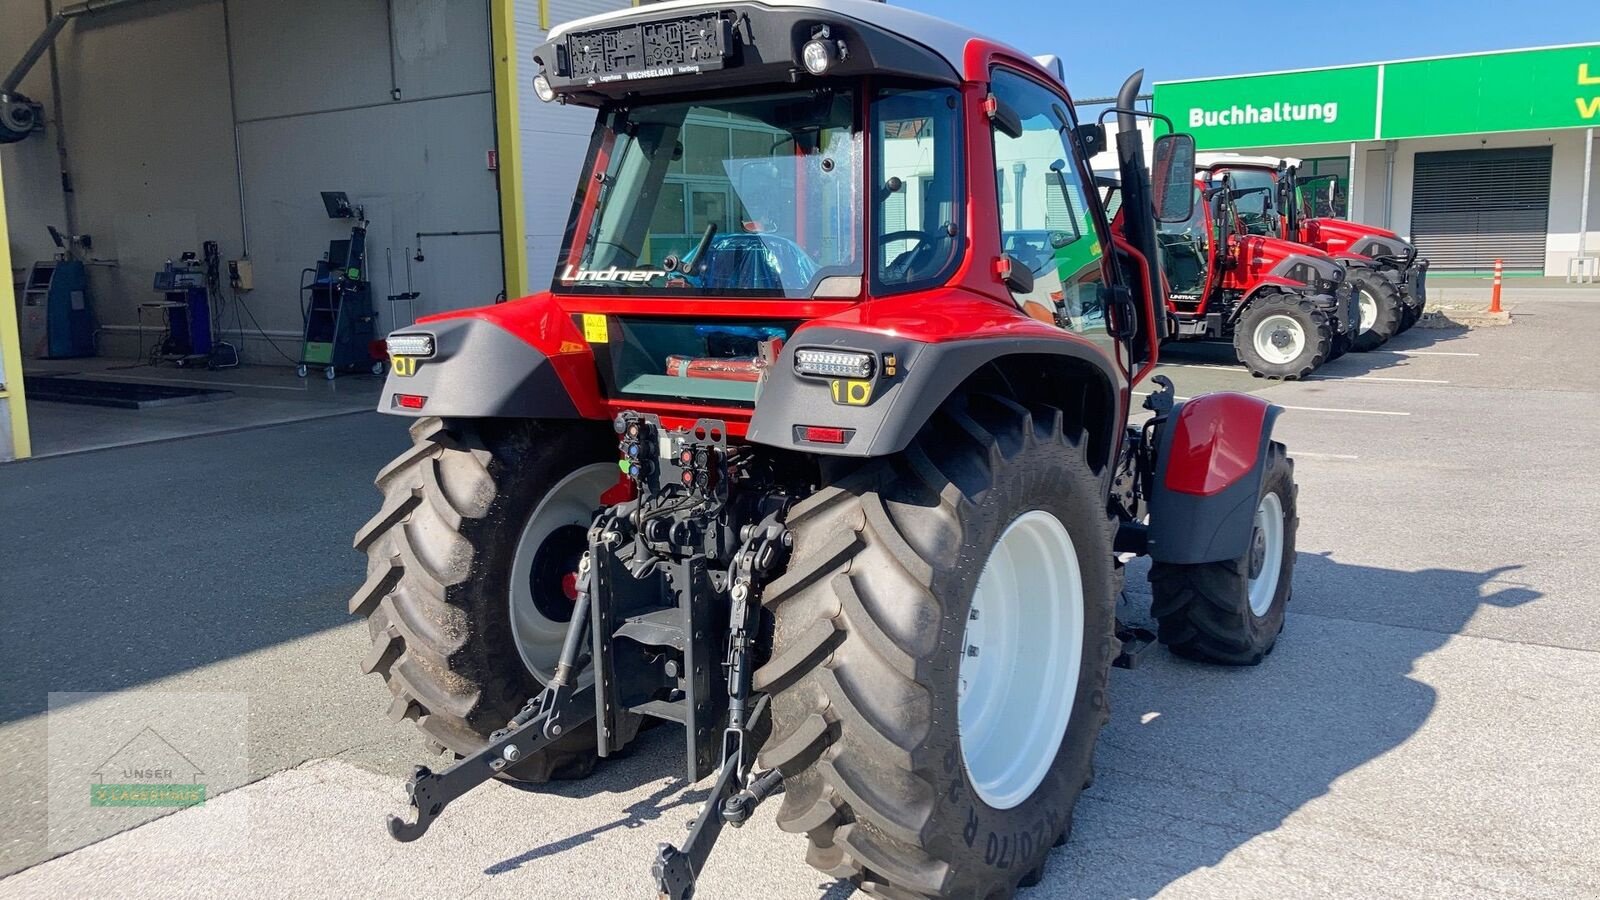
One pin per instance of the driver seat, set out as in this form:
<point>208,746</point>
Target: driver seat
<point>741,261</point>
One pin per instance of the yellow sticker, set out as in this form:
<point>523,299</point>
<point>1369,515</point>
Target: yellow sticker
<point>594,328</point>
<point>404,366</point>
<point>851,393</point>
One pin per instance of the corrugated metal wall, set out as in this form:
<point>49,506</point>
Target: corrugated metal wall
<point>1471,207</point>
<point>554,137</point>
<point>150,119</point>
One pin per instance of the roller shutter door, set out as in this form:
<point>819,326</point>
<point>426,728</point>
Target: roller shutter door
<point>1471,207</point>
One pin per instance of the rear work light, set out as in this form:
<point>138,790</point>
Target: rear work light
<point>834,363</point>
<point>414,345</point>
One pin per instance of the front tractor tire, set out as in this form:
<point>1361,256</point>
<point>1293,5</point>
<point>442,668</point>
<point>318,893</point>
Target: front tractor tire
<point>1381,308</point>
<point>482,522</point>
<point>942,638</point>
<point>1232,611</point>
<point>1282,336</point>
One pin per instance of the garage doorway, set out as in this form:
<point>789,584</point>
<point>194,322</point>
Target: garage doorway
<point>1471,207</point>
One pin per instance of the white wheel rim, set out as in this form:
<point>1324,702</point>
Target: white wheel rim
<point>1369,311</point>
<point>1279,339</point>
<point>1266,554</point>
<point>1022,650</point>
<point>572,502</point>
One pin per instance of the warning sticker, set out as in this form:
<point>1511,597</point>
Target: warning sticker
<point>594,328</point>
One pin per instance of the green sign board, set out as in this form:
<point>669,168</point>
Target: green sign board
<point>1328,105</point>
<point>1517,90</point>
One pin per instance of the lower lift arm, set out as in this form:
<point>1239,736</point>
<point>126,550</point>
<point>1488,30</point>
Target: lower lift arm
<point>556,710</point>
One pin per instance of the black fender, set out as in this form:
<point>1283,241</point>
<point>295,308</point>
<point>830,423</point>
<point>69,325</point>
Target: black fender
<point>477,370</point>
<point>911,380</point>
<point>1211,455</point>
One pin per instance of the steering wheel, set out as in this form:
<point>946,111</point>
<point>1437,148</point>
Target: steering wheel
<point>899,268</point>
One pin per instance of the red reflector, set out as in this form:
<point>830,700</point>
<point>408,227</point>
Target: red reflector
<point>410,401</point>
<point>823,435</point>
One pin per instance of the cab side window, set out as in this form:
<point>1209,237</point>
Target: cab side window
<point>1045,222</point>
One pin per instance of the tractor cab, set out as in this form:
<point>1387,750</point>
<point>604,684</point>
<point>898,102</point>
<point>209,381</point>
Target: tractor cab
<point>760,170</point>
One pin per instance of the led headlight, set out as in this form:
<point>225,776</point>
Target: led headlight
<point>418,346</point>
<point>541,87</point>
<point>833,363</point>
<point>818,54</point>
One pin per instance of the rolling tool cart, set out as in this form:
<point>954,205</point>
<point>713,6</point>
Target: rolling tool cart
<point>336,301</point>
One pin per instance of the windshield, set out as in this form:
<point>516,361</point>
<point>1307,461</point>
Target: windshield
<point>1320,196</point>
<point>737,196</point>
<point>1255,197</point>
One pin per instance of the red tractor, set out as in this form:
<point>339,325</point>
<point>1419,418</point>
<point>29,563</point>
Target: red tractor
<point>784,457</point>
<point>1386,275</point>
<point>1285,307</point>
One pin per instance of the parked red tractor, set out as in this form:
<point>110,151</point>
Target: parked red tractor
<point>780,456</point>
<point>1285,307</point>
<point>1386,275</point>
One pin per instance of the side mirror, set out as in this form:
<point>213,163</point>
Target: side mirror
<point>1172,177</point>
<point>1093,135</point>
<point>1004,117</point>
<point>1019,278</point>
<point>1059,239</point>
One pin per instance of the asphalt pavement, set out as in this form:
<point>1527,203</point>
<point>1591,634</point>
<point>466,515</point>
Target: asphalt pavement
<point>1426,726</point>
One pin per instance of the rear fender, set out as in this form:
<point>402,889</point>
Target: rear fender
<point>1210,460</point>
<point>524,359</point>
<point>880,416</point>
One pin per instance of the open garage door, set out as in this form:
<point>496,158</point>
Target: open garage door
<point>1471,207</point>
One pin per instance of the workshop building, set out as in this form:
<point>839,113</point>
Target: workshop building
<point>1474,157</point>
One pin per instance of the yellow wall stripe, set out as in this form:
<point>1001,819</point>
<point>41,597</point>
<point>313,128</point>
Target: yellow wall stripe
<point>513,221</point>
<point>11,344</point>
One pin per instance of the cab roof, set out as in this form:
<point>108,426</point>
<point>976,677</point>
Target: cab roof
<point>946,39</point>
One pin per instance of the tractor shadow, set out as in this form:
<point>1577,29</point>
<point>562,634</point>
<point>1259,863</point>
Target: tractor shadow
<point>655,753</point>
<point>1198,760</point>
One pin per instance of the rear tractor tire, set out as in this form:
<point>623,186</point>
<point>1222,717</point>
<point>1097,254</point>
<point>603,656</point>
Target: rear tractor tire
<point>942,638</point>
<point>1282,335</point>
<point>467,585</point>
<point>1381,309</point>
<point>1231,612</point>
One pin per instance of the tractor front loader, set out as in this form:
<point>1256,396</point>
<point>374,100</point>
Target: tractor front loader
<point>796,454</point>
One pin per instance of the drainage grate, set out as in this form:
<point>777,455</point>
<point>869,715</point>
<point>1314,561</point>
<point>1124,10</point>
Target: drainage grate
<point>118,394</point>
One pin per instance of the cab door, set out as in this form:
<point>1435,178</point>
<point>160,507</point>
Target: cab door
<point>1049,220</point>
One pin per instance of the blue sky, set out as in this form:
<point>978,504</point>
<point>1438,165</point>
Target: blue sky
<point>1102,42</point>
